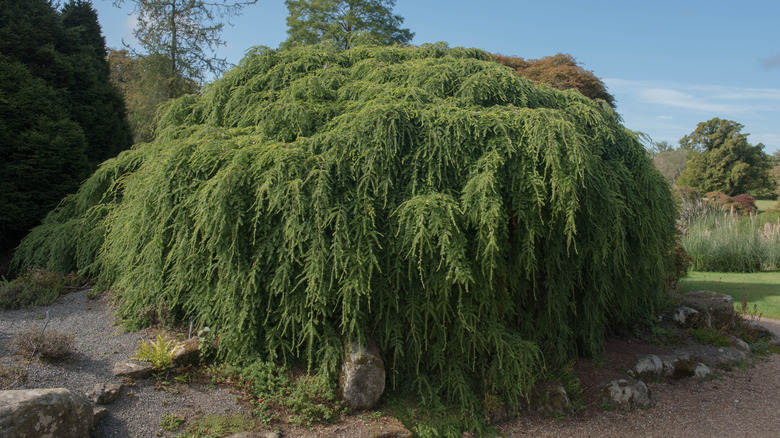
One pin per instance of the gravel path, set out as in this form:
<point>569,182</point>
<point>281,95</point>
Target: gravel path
<point>99,344</point>
<point>743,403</point>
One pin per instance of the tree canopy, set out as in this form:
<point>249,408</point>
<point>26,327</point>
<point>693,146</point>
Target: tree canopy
<point>344,22</point>
<point>721,159</point>
<point>560,71</point>
<point>476,225</point>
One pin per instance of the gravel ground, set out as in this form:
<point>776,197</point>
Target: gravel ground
<point>98,345</point>
<point>743,403</point>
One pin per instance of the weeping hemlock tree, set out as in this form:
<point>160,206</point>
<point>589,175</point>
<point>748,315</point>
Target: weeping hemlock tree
<point>474,224</point>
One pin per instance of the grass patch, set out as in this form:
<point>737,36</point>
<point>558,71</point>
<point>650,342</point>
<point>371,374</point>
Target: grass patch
<point>764,205</point>
<point>710,337</point>
<point>763,288</point>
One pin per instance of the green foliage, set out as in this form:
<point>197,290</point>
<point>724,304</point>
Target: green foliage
<point>710,337</point>
<point>36,287</point>
<point>159,353</point>
<point>346,23</point>
<point>171,422</point>
<point>59,114</point>
<point>477,226</point>
<point>145,84</point>
<point>215,426</point>
<point>721,159</point>
<point>727,242</point>
<point>307,399</point>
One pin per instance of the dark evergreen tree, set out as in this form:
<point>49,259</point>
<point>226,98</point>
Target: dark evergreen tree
<point>60,115</point>
<point>96,104</point>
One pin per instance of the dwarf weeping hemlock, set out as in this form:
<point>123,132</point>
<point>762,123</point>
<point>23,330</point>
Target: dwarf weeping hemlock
<point>477,226</point>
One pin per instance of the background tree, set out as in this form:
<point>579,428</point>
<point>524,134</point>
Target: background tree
<point>186,32</point>
<point>143,82</point>
<point>775,173</point>
<point>59,113</point>
<point>95,103</point>
<point>346,22</point>
<point>670,162</point>
<point>560,71</point>
<point>721,159</point>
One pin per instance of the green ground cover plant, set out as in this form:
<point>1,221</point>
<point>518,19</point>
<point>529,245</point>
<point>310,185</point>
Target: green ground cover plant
<point>480,228</point>
<point>762,288</point>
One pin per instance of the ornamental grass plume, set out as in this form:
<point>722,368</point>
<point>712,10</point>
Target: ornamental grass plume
<point>479,227</point>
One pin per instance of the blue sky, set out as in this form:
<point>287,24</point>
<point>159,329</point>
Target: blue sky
<point>669,64</point>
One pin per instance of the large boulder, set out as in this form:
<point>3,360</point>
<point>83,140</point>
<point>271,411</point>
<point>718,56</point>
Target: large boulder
<point>32,413</point>
<point>719,307</point>
<point>362,376</point>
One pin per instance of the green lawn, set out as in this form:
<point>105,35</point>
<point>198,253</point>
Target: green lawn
<point>763,288</point>
<point>764,205</point>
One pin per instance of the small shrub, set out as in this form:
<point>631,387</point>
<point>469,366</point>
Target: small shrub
<point>48,345</point>
<point>36,288</point>
<point>685,368</point>
<point>159,353</point>
<point>746,202</point>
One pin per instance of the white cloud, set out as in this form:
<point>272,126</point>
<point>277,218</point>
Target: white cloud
<point>665,117</point>
<point>678,99</point>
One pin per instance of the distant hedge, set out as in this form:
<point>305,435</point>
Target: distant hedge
<point>477,226</point>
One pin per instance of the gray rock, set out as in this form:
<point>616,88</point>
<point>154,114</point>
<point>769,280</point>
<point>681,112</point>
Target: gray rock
<point>670,362</point>
<point>627,395</point>
<point>132,370</point>
<point>33,413</point>
<point>719,307</point>
<point>362,379</point>
<point>188,353</point>
<point>551,401</point>
<point>649,367</point>
<point>702,371</point>
<point>727,357</point>
<point>105,393</point>
<point>741,345</point>
<point>687,317</point>
<point>99,414</point>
